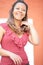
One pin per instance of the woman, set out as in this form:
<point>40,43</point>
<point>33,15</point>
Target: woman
<point>14,35</point>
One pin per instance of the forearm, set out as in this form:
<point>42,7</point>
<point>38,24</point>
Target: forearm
<point>4,52</point>
<point>15,58</point>
<point>34,35</point>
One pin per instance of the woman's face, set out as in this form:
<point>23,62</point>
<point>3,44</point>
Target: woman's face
<point>19,11</point>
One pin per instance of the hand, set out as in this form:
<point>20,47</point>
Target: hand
<point>30,22</point>
<point>16,59</point>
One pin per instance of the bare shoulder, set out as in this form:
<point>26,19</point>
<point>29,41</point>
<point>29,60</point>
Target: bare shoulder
<point>2,29</point>
<point>2,32</point>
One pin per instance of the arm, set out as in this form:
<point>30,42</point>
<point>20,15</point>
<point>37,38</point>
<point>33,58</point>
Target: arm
<point>16,58</point>
<point>33,37</point>
<point>2,32</point>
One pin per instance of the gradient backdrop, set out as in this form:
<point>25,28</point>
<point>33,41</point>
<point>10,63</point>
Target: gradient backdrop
<point>36,13</point>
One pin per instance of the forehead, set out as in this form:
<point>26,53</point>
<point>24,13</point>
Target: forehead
<point>19,4</point>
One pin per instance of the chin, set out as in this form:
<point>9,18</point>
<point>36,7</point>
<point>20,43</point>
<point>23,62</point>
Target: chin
<point>18,19</point>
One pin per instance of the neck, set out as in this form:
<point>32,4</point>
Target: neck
<point>17,22</point>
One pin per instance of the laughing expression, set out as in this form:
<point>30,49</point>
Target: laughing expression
<point>19,11</point>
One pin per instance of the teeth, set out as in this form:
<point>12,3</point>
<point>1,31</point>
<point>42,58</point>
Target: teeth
<point>19,14</point>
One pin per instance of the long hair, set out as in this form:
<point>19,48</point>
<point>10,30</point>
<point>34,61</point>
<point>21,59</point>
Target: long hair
<point>11,11</point>
<point>11,17</point>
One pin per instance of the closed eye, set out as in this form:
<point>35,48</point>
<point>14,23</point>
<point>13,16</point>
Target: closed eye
<point>17,8</point>
<point>23,10</point>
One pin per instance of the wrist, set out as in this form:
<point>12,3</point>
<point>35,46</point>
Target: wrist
<point>9,53</point>
<point>31,25</point>
<point>32,29</point>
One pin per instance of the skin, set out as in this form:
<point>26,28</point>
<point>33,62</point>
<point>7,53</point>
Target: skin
<point>19,13</point>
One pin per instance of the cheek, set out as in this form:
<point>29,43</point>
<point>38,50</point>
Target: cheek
<point>14,13</point>
<point>24,14</point>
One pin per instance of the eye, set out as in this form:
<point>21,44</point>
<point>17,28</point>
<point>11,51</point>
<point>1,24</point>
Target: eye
<point>17,8</point>
<point>24,10</point>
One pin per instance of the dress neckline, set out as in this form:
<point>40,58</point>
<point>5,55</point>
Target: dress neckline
<point>21,36</point>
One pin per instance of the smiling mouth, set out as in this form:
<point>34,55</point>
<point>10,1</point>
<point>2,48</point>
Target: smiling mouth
<point>19,14</point>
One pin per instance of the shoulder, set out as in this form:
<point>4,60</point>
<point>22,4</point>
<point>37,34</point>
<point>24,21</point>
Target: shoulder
<point>2,30</point>
<point>4,26</point>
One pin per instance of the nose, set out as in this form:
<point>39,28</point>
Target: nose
<point>20,10</point>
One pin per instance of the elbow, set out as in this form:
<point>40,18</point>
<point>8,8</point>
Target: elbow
<point>36,42</point>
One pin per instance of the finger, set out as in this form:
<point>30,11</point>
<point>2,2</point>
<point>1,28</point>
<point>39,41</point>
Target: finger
<point>30,21</point>
<point>20,60</point>
<point>14,61</point>
<point>17,62</point>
